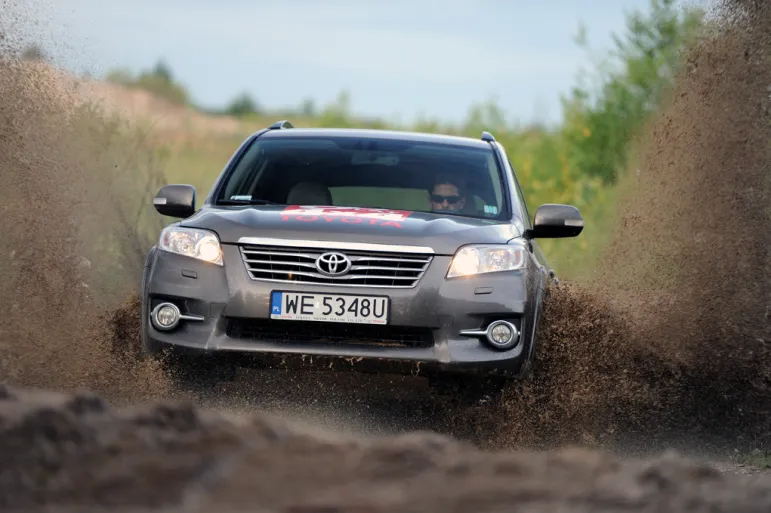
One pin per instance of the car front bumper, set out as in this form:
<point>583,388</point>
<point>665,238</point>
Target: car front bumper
<point>423,335</point>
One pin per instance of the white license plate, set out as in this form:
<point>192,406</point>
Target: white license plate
<point>299,306</point>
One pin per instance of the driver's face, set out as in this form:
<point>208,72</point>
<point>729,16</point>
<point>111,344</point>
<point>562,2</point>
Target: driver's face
<point>446,197</point>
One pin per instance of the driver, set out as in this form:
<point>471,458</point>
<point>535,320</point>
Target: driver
<point>447,195</point>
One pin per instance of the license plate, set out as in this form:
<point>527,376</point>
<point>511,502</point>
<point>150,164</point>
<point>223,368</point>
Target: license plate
<point>299,306</point>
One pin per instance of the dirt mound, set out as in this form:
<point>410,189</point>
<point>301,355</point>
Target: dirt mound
<point>72,452</point>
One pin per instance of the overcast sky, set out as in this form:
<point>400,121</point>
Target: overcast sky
<point>397,58</point>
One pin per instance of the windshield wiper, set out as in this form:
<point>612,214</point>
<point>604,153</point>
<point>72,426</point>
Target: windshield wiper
<point>247,202</point>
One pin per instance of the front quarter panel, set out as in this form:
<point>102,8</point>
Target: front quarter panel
<point>542,262</point>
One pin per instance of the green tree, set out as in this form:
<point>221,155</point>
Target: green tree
<point>338,112</point>
<point>120,76</point>
<point>641,68</point>
<point>159,81</point>
<point>485,116</point>
<point>242,105</point>
<point>308,108</point>
<point>162,72</point>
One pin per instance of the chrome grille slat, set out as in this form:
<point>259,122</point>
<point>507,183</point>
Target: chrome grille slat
<point>280,262</point>
<point>340,278</point>
<point>293,264</point>
<point>388,259</point>
<point>282,253</point>
<point>380,268</point>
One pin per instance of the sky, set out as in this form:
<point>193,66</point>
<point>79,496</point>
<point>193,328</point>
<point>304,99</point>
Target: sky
<point>398,59</point>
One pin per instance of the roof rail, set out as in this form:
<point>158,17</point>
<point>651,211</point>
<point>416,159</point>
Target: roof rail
<point>280,124</point>
<point>487,136</point>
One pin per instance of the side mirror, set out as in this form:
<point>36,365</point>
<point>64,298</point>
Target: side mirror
<point>556,221</point>
<point>175,200</point>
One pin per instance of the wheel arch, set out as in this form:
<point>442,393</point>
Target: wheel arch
<point>540,294</point>
<point>144,313</point>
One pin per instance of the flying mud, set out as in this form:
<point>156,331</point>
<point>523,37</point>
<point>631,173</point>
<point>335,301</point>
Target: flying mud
<point>665,344</point>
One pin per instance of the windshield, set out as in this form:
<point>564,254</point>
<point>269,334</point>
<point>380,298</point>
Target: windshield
<point>367,172</point>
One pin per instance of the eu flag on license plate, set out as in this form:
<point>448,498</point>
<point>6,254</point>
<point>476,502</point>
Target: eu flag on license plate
<point>276,303</point>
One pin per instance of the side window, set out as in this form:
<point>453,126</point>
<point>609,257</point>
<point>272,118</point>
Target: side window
<point>520,197</point>
<point>528,221</point>
<point>243,174</point>
<point>495,180</point>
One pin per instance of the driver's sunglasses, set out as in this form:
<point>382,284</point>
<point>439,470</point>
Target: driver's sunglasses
<point>438,198</point>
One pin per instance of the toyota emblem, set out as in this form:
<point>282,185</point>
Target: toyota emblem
<point>333,264</point>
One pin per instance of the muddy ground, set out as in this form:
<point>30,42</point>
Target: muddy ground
<point>76,451</point>
<point>665,345</point>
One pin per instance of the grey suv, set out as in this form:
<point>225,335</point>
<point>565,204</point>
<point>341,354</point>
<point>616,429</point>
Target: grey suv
<point>369,250</point>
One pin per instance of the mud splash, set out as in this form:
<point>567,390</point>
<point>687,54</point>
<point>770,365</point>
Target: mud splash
<point>669,339</point>
<point>70,242</point>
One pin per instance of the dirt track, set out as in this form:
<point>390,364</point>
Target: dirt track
<point>627,362</point>
<point>90,454</point>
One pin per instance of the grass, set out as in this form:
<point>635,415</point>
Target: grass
<point>758,459</point>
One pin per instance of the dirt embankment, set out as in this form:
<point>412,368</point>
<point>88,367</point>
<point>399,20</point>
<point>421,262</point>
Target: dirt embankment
<point>135,105</point>
<point>74,450</point>
<point>669,338</point>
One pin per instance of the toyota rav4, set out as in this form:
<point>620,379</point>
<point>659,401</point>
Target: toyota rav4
<point>359,249</point>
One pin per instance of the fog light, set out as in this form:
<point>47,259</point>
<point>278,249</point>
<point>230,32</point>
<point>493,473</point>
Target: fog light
<point>502,334</point>
<point>165,316</point>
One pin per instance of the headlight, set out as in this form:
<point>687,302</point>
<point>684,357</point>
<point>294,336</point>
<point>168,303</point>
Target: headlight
<point>201,244</point>
<point>471,260</point>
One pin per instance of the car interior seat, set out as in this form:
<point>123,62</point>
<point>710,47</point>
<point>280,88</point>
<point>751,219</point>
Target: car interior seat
<point>309,193</point>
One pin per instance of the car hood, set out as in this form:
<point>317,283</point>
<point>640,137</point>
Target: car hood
<point>443,233</point>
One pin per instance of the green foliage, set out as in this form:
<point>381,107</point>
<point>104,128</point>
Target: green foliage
<point>308,108</point>
<point>242,105</point>
<point>600,124</point>
<point>758,458</point>
<point>160,81</point>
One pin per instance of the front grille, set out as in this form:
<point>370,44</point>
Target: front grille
<point>368,268</point>
<point>330,333</point>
